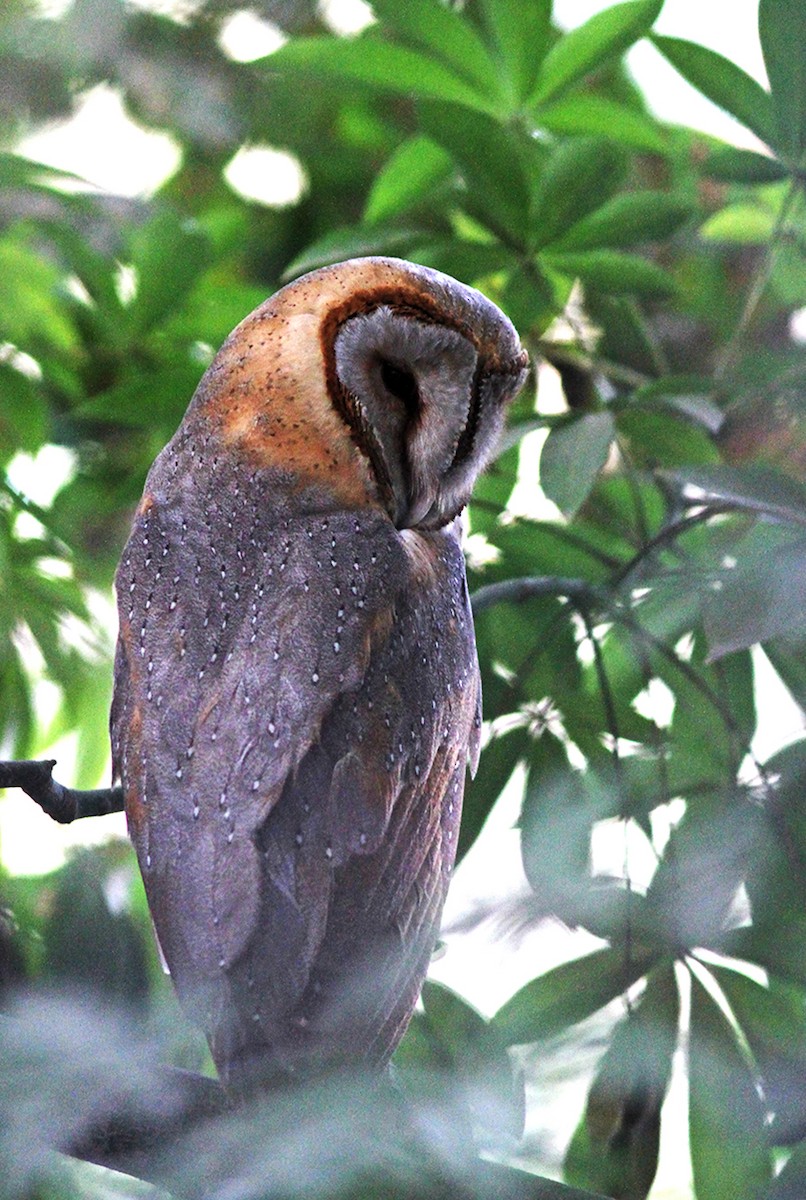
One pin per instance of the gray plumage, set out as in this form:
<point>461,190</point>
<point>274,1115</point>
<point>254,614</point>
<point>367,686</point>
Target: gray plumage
<point>296,687</point>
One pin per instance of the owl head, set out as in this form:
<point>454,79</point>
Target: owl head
<point>384,381</point>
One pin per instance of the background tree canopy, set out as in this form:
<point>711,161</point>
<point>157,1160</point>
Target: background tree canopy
<point>657,272</point>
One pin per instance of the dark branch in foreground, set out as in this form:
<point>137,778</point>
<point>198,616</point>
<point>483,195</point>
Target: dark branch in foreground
<point>78,1076</point>
<point>134,1145</point>
<point>61,803</point>
<point>159,1150</point>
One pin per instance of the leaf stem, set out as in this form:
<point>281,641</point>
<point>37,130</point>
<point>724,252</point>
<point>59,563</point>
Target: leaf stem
<point>727,359</point>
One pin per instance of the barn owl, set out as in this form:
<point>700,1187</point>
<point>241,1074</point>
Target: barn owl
<point>296,685</point>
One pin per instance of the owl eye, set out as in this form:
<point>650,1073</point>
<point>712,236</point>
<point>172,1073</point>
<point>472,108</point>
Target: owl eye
<point>402,385</point>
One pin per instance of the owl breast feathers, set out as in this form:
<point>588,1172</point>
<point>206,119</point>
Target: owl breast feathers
<point>296,684</point>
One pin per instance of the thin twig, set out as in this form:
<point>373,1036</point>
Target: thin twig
<point>669,533</point>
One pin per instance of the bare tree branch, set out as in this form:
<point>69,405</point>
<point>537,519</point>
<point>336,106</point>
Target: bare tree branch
<point>63,804</point>
<point>515,591</point>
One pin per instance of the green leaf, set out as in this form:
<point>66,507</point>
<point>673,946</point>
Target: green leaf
<point>508,631</point>
<point>713,716</point>
<point>32,313</point>
<point>729,1151</point>
<point>352,241</point>
<point>144,401</point>
<point>791,1183</point>
<point>17,719</point>
<point>614,273</point>
<point>572,457</point>
<point>789,660</point>
<point>561,805</point>
<point>552,668</point>
<point>777,946</point>
<point>530,300</point>
<point>626,335</point>
<point>558,811</point>
<point>695,885</point>
<point>23,413</point>
<point>85,944</point>
<point>658,438</point>
<point>579,176</point>
<point>211,311</point>
<point>782,31</point>
<point>689,395</point>
<point>734,165</point>
<point>169,254</point>
<point>92,722</point>
<point>728,86</point>
<point>479,1058</point>
<point>626,220</point>
<point>446,35</point>
<point>498,760</point>
<point>744,224</point>
<point>758,490</point>
<point>518,31</point>
<point>772,1018</point>
<point>468,261</point>
<point>493,161</point>
<point>615,1148</point>
<point>550,548</point>
<point>492,492</point>
<point>17,171</point>
<point>591,45</point>
<point>524,648</point>
<point>597,116</point>
<point>370,60</point>
<point>755,603</point>
<point>410,175</point>
<point>567,994</point>
<point>97,273</point>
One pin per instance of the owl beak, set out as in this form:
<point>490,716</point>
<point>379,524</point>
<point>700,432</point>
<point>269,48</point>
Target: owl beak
<point>419,507</point>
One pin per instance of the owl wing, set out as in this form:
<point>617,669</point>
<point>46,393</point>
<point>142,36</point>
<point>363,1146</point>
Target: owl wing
<point>368,824</point>
<point>254,780</point>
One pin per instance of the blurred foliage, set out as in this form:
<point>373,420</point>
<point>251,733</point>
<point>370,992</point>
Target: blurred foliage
<point>654,272</point>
